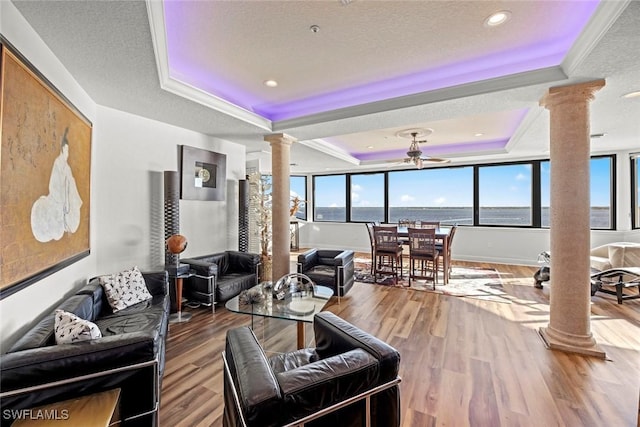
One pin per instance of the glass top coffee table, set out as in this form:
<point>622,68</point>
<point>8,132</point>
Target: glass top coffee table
<point>299,306</point>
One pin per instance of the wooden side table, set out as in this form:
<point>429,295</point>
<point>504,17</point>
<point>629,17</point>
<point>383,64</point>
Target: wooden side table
<point>94,410</point>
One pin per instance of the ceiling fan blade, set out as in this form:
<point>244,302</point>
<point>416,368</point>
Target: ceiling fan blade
<point>435,160</point>
<point>405,160</point>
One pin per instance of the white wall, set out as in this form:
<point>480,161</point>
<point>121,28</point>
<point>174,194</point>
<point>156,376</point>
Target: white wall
<point>129,156</point>
<point>482,244</point>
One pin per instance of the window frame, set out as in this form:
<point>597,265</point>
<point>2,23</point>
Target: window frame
<point>385,195</point>
<point>347,197</point>
<point>305,197</point>
<point>634,169</point>
<point>532,202</point>
<point>536,191</point>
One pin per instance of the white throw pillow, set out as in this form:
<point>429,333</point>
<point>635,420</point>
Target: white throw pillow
<point>125,288</point>
<point>69,328</point>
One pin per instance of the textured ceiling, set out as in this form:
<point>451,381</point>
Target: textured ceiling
<point>364,52</point>
<point>111,48</point>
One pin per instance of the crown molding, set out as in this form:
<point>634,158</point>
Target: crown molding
<point>604,17</point>
<point>155,10</point>
<point>330,149</point>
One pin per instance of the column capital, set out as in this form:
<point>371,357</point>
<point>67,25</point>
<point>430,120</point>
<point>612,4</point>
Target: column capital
<point>280,138</point>
<point>571,94</point>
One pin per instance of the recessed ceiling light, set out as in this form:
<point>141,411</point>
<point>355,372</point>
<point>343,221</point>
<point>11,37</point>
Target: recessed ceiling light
<point>497,18</point>
<point>370,147</point>
<point>632,94</point>
<point>271,83</point>
<point>478,134</point>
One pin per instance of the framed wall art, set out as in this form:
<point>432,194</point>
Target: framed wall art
<point>45,171</point>
<point>204,174</point>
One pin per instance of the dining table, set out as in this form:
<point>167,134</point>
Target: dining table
<point>442,234</point>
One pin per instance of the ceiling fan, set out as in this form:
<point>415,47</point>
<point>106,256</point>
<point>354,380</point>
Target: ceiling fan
<point>414,155</point>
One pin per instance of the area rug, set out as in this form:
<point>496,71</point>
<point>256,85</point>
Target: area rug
<point>479,283</point>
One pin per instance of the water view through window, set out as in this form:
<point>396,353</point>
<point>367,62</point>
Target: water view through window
<point>601,172</point>
<point>505,192</point>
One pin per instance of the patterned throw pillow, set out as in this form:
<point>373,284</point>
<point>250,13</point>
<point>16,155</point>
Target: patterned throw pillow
<point>69,328</point>
<point>125,288</point>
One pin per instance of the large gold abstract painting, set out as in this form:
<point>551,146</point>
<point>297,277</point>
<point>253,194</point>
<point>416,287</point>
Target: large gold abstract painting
<point>45,173</point>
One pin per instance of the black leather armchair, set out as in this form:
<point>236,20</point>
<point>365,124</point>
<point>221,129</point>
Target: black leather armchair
<point>334,383</point>
<point>220,276</point>
<point>331,268</point>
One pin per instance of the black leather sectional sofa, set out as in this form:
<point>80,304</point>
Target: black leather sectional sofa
<point>130,355</point>
<point>229,272</point>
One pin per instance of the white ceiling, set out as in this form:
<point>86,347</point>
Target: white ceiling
<point>150,60</point>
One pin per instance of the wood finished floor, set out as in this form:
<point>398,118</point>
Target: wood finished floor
<point>465,362</point>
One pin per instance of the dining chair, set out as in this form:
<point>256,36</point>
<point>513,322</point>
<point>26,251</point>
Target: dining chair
<point>428,224</point>
<point>404,222</point>
<point>388,251</point>
<point>372,242</point>
<point>422,249</point>
<point>440,247</point>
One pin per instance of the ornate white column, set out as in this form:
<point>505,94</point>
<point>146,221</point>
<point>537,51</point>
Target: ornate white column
<point>280,170</point>
<point>569,326</point>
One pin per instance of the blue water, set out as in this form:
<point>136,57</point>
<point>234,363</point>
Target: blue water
<point>517,216</point>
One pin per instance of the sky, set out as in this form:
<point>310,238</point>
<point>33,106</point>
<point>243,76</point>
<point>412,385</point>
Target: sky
<point>503,185</point>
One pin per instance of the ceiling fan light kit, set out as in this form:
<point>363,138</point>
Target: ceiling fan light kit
<point>414,155</point>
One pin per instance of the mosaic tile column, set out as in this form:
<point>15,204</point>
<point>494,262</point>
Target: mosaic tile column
<point>280,169</point>
<point>569,326</point>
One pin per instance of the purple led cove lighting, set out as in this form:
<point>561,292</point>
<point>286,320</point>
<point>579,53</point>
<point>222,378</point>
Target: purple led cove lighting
<point>465,72</point>
<point>509,125</point>
<point>436,150</point>
<point>186,68</point>
<point>543,54</point>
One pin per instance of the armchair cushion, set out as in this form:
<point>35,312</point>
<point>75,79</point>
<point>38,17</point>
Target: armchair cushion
<point>320,384</point>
